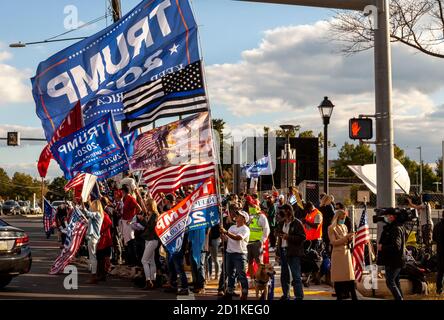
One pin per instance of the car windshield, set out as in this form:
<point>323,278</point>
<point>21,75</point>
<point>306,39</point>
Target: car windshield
<point>23,203</point>
<point>9,203</point>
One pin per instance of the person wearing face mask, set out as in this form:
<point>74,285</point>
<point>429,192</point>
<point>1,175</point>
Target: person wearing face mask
<point>342,272</point>
<point>391,250</point>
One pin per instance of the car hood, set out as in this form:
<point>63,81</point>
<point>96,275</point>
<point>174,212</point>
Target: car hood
<point>10,228</point>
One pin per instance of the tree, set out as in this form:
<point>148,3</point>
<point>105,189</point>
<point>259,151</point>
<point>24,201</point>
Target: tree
<point>56,189</point>
<point>293,133</point>
<point>416,23</point>
<point>22,186</point>
<point>5,183</point>
<point>351,154</point>
<point>307,134</point>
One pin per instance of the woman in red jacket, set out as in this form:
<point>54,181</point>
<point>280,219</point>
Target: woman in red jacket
<point>104,248</point>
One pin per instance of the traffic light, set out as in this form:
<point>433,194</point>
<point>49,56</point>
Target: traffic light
<point>13,139</point>
<point>361,128</point>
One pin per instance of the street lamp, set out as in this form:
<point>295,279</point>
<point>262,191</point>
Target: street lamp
<point>420,169</point>
<point>24,44</point>
<point>287,128</point>
<point>326,110</point>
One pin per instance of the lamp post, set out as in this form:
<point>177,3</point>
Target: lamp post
<point>287,128</point>
<point>420,169</point>
<point>326,109</point>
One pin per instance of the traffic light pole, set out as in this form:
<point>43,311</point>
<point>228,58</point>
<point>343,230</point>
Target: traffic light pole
<point>383,87</point>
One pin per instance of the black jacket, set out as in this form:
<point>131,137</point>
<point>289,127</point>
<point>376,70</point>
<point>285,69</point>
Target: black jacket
<point>393,246</point>
<point>438,237</point>
<point>149,233</point>
<point>296,238</point>
<point>327,216</point>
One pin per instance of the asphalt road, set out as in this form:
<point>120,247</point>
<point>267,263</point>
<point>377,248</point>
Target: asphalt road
<point>38,284</point>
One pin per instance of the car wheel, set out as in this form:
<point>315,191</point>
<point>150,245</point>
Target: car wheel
<point>4,281</point>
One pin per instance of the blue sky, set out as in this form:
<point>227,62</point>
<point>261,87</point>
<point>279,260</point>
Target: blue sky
<point>231,32</point>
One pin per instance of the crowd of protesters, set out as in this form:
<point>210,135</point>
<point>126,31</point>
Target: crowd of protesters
<point>121,230</point>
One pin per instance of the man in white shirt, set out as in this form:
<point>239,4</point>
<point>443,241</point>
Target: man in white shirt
<point>236,258</point>
<point>425,219</point>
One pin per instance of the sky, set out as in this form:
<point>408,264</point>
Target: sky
<point>266,65</point>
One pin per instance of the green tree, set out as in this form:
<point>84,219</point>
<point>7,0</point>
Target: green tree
<point>307,134</point>
<point>56,189</point>
<point>5,183</point>
<point>22,186</point>
<point>293,133</point>
<point>439,169</point>
<point>351,154</point>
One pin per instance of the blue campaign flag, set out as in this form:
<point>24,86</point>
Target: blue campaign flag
<point>258,168</point>
<point>95,149</point>
<point>139,48</point>
<point>128,142</point>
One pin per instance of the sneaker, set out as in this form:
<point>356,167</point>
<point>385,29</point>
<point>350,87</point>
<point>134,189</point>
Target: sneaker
<point>220,293</point>
<point>199,291</point>
<point>183,292</point>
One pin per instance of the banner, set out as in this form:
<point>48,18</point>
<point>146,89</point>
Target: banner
<point>128,141</point>
<point>187,141</point>
<point>171,225</point>
<point>72,123</point>
<point>197,211</point>
<point>205,210</point>
<point>95,149</point>
<point>258,168</point>
<point>156,38</point>
<point>76,230</point>
<point>48,216</point>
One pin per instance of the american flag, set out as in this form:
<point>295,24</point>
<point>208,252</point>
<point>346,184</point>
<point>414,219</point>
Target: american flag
<point>75,233</point>
<point>361,239</point>
<point>75,182</point>
<point>168,180</point>
<point>48,216</point>
<point>178,93</point>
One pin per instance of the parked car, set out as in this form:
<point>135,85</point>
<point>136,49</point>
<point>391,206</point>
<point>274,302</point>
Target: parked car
<point>24,207</point>
<point>15,253</point>
<point>35,209</point>
<point>11,207</point>
<point>57,203</point>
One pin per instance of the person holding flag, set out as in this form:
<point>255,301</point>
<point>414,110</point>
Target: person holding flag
<point>48,218</point>
<point>95,219</point>
<point>342,271</point>
<point>236,258</point>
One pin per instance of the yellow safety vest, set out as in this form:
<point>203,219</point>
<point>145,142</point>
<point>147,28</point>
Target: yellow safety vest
<point>256,231</point>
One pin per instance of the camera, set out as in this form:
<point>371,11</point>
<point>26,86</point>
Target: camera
<point>403,215</point>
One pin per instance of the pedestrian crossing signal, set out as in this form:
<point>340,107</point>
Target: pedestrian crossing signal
<point>361,129</point>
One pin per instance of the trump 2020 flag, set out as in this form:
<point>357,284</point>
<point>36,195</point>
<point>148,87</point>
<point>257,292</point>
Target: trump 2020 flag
<point>156,38</point>
<point>75,233</point>
<point>48,216</point>
<point>205,211</point>
<point>95,149</point>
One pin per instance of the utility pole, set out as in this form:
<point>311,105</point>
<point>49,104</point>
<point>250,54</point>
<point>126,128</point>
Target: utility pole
<point>117,14</point>
<point>420,170</point>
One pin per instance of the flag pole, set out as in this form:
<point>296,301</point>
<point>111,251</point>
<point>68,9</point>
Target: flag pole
<point>41,192</point>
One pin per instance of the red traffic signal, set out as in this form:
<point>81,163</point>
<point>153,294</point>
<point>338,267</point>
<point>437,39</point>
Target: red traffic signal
<point>361,129</point>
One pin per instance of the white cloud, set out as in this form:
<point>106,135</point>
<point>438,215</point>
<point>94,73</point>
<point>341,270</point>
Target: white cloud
<point>25,131</point>
<point>293,67</point>
<point>14,83</point>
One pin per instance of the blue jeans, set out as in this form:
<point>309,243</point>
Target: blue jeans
<point>198,271</point>
<point>175,264</point>
<point>392,281</point>
<point>236,265</point>
<point>293,265</point>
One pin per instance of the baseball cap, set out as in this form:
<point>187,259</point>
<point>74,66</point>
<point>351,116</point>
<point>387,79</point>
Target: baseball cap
<point>244,214</point>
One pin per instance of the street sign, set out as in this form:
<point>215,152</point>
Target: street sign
<point>13,139</point>
<point>361,128</point>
